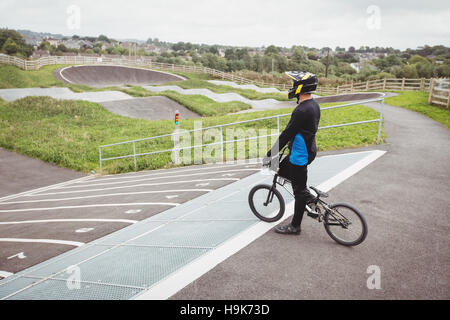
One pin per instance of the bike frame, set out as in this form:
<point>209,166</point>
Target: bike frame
<point>342,221</point>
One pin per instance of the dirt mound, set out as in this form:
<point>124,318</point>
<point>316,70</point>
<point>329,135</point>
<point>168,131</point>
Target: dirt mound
<point>105,76</point>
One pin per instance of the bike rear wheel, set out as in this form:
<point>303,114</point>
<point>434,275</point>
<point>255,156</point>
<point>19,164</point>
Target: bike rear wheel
<point>266,203</point>
<point>345,224</point>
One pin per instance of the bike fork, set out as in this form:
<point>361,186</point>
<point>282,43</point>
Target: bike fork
<point>271,193</point>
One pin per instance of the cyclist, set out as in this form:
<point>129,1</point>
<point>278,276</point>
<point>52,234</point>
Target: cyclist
<point>300,134</point>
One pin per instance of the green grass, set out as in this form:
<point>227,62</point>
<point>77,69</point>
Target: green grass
<point>68,133</point>
<point>418,101</point>
<point>14,77</point>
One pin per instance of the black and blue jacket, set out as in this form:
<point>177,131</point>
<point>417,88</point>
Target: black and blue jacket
<point>300,133</point>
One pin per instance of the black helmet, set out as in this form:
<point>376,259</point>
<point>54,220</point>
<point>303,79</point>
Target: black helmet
<point>304,82</point>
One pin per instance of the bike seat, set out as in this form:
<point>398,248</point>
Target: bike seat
<point>319,193</point>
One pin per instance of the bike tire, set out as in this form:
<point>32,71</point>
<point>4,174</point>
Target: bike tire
<point>277,194</point>
<point>327,224</point>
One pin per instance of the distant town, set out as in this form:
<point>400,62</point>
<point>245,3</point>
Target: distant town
<point>363,63</point>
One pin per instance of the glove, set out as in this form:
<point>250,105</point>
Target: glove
<point>266,161</point>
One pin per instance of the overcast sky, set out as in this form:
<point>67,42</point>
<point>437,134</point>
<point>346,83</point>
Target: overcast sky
<point>314,23</point>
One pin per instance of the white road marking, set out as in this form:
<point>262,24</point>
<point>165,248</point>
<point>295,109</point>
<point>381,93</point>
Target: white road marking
<point>202,184</point>
<point>133,211</point>
<point>229,174</point>
<point>69,243</point>
<point>164,177</point>
<point>20,255</point>
<point>176,171</point>
<point>139,185</point>
<point>170,285</point>
<point>70,220</point>
<point>172,197</point>
<point>60,73</point>
<point>84,230</point>
<point>5,274</point>
<point>44,188</point>
<point>105,195</point>
<point>95,205</point>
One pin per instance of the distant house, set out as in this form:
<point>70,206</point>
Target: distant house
<point>53,42</point>
<point>78,44</point>
<point>40,53</point>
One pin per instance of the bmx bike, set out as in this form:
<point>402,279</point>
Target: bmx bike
<point>342,222</point>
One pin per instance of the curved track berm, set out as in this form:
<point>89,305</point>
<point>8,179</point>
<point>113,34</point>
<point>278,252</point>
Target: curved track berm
<point>104,76</point>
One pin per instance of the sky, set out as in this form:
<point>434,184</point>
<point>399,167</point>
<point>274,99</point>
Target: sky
<point>253,23</point>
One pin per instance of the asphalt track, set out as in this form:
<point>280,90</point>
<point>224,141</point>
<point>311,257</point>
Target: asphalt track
<point>150,108</point>
<point>404,196</point>
<point>99,76</point>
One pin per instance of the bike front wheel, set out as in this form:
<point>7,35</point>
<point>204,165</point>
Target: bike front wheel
<point>266,203</point>
<point>345,224</point>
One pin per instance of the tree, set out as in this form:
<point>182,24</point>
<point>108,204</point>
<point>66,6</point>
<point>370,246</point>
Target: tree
<point>103,38</point>
<point>10,47</point>
<point>271,50</point>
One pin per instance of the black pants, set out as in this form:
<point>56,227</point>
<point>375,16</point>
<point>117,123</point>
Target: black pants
<point>298,175</point>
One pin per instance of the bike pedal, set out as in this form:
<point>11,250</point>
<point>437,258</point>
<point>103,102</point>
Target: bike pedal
<point>313,215</point>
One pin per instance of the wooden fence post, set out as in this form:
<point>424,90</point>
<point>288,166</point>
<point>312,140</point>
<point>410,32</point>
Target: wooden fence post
<point>384,84</point>
<point>351,87</point>
<point>422,84</point>
<point>367,85</point>
<point>403,84</point>
<point>430,96</point>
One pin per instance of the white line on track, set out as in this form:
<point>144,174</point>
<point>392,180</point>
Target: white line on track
<point>251,162</point>
<point>156,178</point>
<point>65,242</point>
<point>194,270</point>
<point>70,220</point>
<point>105,195</point>
<point>138,185</point>
<point>44,188</point>
<point>95,205</point>
<point>60,73</point>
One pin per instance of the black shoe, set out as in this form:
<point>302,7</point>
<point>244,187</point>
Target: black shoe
<point>312,215</point>
<point>287,229</point>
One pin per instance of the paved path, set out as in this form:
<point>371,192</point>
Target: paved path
<point>405,198</point>
<point>257,105</point>
<point>150,108</point>
<point>149,257</point>
<point>63,93</point>
<point>20,173</point>
<point>246,86</point>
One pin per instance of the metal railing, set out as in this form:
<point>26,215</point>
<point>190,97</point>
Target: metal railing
<point>223,143</point>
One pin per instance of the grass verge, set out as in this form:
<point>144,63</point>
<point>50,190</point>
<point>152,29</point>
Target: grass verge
<point>418,101</point>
